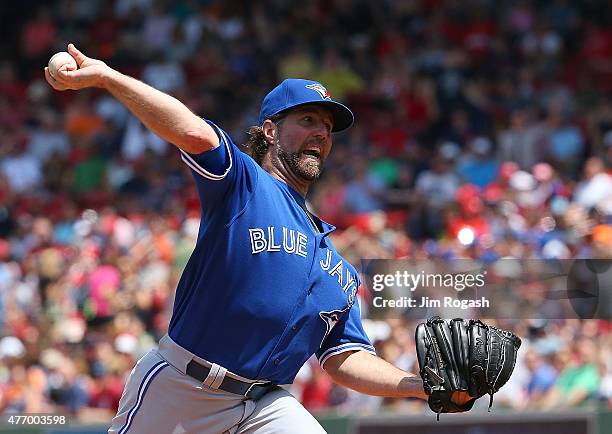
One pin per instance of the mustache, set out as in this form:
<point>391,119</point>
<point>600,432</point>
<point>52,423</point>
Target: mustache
<point>315,142</point>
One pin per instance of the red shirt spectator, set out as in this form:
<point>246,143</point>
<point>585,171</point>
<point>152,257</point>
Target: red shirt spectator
<point>38,34</point>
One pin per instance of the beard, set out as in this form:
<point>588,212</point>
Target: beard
<point>304,166</point>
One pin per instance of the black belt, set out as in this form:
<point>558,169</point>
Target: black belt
<point>249,390</point>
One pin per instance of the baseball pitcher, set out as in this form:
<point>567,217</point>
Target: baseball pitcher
<point>264,288</point>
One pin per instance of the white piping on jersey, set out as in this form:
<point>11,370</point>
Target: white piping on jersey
<point>351,346</point>
<point>188,159</point>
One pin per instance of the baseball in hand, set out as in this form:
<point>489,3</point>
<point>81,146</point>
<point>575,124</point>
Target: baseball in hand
<point>61,60</point>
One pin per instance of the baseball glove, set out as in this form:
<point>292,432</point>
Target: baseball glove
<point>462,360</point>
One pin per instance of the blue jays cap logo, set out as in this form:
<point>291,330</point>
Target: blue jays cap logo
<point>320,90</point>
<point>293,92</point>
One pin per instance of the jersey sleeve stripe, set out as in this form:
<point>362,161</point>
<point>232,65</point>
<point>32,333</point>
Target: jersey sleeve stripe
<point>144,385</point>
<point>343,348</point>
<point>348,344</point>
<point>191,162</point>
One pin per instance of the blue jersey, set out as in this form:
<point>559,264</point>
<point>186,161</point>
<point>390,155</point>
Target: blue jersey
<point>263,290</point>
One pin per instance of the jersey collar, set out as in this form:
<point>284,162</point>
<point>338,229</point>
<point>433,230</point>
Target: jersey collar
<point>327,228</point>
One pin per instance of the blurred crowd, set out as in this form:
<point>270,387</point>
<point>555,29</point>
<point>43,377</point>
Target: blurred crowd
<point>484,130</point>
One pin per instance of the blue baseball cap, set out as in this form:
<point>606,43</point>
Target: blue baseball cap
<point>295,92</point>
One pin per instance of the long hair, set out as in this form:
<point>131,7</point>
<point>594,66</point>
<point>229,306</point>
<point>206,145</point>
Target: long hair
<point>256,144</point>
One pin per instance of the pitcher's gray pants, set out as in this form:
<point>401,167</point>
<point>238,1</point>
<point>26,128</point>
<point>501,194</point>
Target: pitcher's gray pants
<point>159,397</point>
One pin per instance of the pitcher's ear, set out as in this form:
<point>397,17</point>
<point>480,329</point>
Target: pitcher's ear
<point>269,130</point>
